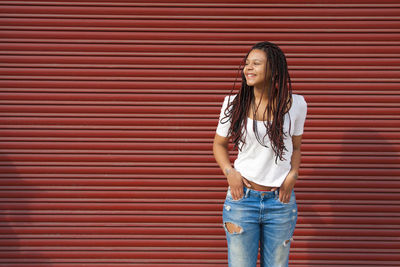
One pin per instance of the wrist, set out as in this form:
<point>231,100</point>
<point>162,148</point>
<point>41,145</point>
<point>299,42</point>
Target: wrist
<point>228,170</point>
<point>294,174</point>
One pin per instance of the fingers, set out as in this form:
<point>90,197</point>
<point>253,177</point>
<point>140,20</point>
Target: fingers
<point>235,181</point>
<point>237,193</point>
<point>246,182</point>
<point>284,196</point>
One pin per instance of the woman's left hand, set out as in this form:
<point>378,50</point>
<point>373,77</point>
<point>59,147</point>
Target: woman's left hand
<point>286,188</point>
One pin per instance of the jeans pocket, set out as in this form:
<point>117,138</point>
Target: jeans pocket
<point>283,203</point>
<point>291,200</point>
<point>230,198</point>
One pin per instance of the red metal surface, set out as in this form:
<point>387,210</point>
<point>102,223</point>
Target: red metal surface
<point>108,110</point>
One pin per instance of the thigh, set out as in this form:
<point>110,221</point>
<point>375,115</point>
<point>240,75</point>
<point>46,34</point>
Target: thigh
<point>242,231</point>
<point>277,231</point>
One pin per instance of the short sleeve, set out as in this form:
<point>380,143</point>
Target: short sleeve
<point>301,113</point>
<point>223,123</point>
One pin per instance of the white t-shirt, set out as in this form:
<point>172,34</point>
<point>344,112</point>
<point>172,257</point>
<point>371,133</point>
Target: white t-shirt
<point>256,162</point>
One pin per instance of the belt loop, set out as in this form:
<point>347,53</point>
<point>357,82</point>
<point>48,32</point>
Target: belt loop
<point>247,192</point>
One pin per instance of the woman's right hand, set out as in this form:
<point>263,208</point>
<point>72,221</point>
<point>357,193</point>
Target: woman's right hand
<point>235,181</point>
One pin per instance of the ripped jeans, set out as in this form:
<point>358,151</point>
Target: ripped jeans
<point>259,218</point>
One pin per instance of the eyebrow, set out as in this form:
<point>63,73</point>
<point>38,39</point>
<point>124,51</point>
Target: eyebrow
<point>257,59</point>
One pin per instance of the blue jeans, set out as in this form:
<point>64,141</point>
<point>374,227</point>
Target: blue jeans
<point>261,219</point>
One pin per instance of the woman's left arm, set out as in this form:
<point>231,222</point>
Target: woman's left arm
<point>287,186</point>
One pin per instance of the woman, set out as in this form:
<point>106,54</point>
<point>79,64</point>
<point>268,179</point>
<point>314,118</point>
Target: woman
<point>265,121</point>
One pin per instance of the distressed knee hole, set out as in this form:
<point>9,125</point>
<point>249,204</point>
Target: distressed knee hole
<point>286,242</point>
<point>233,228</point>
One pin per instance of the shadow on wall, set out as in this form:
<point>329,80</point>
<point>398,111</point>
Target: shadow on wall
<point>355,215</point>
<point>18,227</point>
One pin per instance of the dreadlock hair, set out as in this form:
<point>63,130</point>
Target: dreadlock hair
<point>279,102</point>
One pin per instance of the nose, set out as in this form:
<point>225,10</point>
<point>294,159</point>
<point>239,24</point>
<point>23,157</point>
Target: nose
<point>249,66</point>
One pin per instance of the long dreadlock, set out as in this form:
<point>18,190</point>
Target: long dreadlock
<point>279,101</point>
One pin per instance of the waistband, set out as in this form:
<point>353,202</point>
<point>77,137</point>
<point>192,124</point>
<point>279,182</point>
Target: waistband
<point>258,187</point>
<point>260,194</point>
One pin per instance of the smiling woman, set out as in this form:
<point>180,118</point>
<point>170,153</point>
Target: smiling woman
<point>265,121</point>
<point>256,70</point>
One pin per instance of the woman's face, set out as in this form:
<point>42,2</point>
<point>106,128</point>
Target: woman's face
<point>255,69</point>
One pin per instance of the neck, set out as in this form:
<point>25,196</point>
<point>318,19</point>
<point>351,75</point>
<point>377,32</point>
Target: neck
<point>260,94</point>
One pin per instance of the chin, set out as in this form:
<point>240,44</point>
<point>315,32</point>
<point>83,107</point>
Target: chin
<point>249,83</point>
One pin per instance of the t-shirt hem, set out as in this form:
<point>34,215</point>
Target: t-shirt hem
<point>276,184</point>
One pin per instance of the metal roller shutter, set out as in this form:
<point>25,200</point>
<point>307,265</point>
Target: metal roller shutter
<point>108,111</point>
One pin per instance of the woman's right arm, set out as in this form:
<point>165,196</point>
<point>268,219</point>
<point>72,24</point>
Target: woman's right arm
<point>221,154</point>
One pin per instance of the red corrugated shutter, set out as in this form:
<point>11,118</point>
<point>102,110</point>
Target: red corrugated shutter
<point>108,110</point>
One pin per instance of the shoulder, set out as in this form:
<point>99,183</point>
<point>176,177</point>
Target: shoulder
<point>299,102</point>
<point>299,106</point>
<point>228,99</point>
